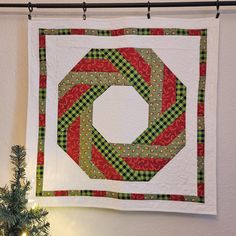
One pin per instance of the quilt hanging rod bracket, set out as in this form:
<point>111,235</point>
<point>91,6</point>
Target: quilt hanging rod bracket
<point>121,5</point>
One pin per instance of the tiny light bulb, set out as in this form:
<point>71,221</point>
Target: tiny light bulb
<point>24,234</point>
<point>34,206</point>
<point>30,200</point>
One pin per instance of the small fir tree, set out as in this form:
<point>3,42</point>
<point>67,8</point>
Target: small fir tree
<point>15,218</point>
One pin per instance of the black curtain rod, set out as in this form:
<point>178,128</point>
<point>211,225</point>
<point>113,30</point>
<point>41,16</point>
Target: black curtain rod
<point>119,5</point>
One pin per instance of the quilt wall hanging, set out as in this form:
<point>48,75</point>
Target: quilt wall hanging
<point>122,113</point>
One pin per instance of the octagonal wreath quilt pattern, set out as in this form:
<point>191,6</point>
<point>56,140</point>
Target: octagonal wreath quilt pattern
<point>89,79</point>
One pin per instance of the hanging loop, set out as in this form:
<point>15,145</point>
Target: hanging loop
<point>217,9</point>
<point>149,10</point>
<point>84,10</point>
<point>30,8</point>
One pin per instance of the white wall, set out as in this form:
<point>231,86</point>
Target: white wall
<point>90,222</point>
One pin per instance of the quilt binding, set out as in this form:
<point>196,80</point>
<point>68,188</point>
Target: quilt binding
<point>200,197</point>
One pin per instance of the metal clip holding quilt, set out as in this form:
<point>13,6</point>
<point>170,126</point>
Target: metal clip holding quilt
<point>84,10</point>
<point>217,9</point>
<point>30,8</point>
<point>149,11</point>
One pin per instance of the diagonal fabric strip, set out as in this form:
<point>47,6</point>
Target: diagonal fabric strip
<point>85,100</point>
<point>124,67</point>
<point>117,162</point>
<point>128,71</point>
<point>153,151</point>
<point>111,155</point>
<point>165,120</point>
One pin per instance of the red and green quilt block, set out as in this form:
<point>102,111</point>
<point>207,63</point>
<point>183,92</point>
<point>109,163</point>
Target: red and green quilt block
<point>162,95</point>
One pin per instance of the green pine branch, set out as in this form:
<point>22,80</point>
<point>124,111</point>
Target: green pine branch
<point>15,218</point>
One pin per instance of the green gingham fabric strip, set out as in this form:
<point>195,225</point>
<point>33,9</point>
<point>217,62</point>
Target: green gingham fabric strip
<point>163,196</point>
<point>204,32</point>
<point>41,133</point>
<point>125,196</point>
<point>117,162</point>
<point>143,31</point>
<point>85,100</point>
<point>180,90</point>
<point>103,32</point>
<point>63,31</point>
<point>42,94</point>
<point>39,173</point>
<point>86,193</point>
<point>145,175</point>
<point>61,139</point>
<point>200,176</point>
<point>203,56</point>
<point>166,119</point>
<point>201,95</point>
<point>42,54</point>
<point>111,156</point>
<point>95,54</point>
<point>41,31</point>
<point>182,32</point>
<point>128,71</point>
<point>200,136</point>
